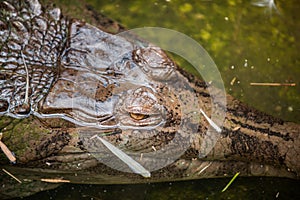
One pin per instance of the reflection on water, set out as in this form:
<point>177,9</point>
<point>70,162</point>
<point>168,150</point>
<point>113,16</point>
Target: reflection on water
<point>268,4</point>
<point>241,188</point>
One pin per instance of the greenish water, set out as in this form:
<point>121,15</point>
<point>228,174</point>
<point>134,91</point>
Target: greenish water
<point>247,43</point>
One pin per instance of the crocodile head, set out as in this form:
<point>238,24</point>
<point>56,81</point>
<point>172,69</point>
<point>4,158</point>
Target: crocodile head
<point>133,95</point>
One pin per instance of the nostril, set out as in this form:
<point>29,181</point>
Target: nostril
<point>3,105</point>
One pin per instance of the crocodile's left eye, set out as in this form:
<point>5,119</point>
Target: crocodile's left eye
<point>138,116</point>
<point>139,108</point>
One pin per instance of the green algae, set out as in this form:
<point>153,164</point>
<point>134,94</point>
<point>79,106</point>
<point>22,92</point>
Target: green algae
<point>19,134</point>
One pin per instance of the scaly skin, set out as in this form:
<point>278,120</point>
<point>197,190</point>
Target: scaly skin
<point>71,61</point>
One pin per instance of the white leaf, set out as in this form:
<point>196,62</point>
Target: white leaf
<point>132,164</point>
<point>213,124</point>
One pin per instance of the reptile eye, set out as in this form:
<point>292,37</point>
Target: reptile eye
<point>138,116</point>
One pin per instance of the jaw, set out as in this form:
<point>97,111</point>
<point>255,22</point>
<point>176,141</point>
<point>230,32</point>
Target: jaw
<point>78,164</point>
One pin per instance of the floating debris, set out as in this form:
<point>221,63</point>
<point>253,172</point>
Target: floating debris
<point>141,156</point>
<point>6,151</point>
<point>8,173</point>
<point>273,84</point>
<point>236,128</point>
<point>233,81</point>
<point>233,178</point>
<point>213,124</point>
<point>246,63</point>
<point>58,180</point>
<point>131,163</point>
<point>153,147</point>
<point>204,168</point>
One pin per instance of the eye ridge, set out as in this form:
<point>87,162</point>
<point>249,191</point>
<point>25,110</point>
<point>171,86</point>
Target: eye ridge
<point>138,116</point>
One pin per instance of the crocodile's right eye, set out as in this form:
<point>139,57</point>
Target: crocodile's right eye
<point>138,116</point>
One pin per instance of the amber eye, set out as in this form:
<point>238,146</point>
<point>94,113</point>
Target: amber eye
<point>138,116</point>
